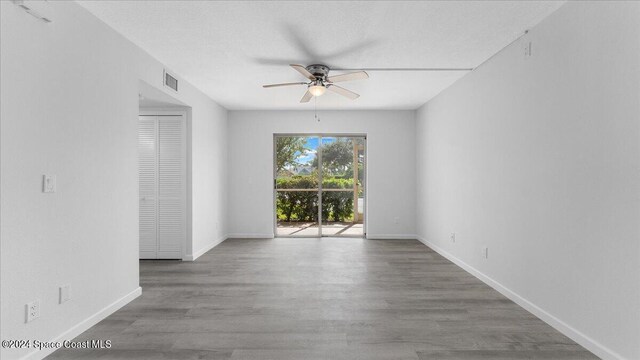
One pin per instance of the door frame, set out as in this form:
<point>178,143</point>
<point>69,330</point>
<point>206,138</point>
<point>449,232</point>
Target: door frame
<point>364,183</point>
<point>187,168</point>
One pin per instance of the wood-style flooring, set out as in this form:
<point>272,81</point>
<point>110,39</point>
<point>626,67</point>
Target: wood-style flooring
<point>339,298</point>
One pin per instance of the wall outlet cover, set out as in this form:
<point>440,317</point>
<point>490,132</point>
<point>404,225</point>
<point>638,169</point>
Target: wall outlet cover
<point>33,310</point>
<point>48,183</point>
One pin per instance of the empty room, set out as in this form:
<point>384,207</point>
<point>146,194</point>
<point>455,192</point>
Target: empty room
<point>320,180</point>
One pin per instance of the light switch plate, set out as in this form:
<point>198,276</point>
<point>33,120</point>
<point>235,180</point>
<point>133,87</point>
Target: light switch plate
<point>527,49</point>
<point>48,183</point>
<point>65,293</point>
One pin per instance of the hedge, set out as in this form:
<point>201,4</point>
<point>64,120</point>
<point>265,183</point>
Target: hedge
<point>303,206</point>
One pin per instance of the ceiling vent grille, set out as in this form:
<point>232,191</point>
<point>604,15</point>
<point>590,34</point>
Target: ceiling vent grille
<point>170,81</point>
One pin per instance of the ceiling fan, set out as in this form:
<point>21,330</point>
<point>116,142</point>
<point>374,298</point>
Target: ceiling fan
<point>320,81</point>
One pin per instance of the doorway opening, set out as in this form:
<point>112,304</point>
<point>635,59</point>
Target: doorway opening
<point>319,185</point>
<point>163,175</point>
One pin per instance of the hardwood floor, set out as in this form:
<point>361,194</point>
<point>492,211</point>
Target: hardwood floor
<point>321,299</point>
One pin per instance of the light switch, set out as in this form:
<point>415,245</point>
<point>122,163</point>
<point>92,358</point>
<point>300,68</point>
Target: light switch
<point>48,183</point>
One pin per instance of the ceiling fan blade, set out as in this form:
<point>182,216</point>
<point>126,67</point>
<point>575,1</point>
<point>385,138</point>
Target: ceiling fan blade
<point>283,84</point>
<point>348,77</point>
<point>342,91</point>
<point>307,96</point>
<point>302,70</point>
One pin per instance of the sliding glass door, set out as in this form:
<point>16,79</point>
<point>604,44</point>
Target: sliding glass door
<point>342,186</point>
<point>319,185</point>
<point>297,185</point>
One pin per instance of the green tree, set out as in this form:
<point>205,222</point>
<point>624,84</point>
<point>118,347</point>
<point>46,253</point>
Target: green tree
<point>337,158</point>
<point>287,150</point>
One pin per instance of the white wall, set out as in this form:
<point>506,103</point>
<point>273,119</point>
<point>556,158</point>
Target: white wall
<point>538,159</point>
<point>69,107</point>
<point>390,165</point>
<point>208,176</point>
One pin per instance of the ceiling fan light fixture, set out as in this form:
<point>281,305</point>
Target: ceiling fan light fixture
<point>317,90</point>
<point>321,81</point>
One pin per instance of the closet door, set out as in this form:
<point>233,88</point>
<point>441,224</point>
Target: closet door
<point>171,187</point>
<point>162,174</point>
<point>147,174</point>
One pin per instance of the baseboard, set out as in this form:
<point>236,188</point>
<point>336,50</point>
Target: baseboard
<point>203,250</point>
<point>567,330</point>
<point>250,236</point>
<point>85,324</point>
<point>391,236</point>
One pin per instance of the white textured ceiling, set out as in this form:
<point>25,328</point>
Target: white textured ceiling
<point>229,49</point>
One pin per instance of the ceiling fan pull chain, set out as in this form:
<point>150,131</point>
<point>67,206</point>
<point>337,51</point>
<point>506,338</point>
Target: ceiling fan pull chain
<point>315,108</point>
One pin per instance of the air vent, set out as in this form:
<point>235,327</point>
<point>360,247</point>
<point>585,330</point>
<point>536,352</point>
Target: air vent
<point>170,81</point>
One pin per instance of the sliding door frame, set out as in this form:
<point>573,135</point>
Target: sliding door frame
<point>364,184</point>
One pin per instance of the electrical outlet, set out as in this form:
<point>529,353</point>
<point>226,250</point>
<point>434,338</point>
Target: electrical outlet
<point>65,293</point>
<point>48,183</point>
<point>485,252</point>
<point>33,310</point>
<point>453,237</point>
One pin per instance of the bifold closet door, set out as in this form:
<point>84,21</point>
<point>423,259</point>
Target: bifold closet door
<point>171,187</point>
<point>147,174</point>
<point>162,173</point>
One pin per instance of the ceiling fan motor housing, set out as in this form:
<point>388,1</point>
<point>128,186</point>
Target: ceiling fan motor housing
<point>319,71</point>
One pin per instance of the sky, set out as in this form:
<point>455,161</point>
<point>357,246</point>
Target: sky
<point>312,149</point>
